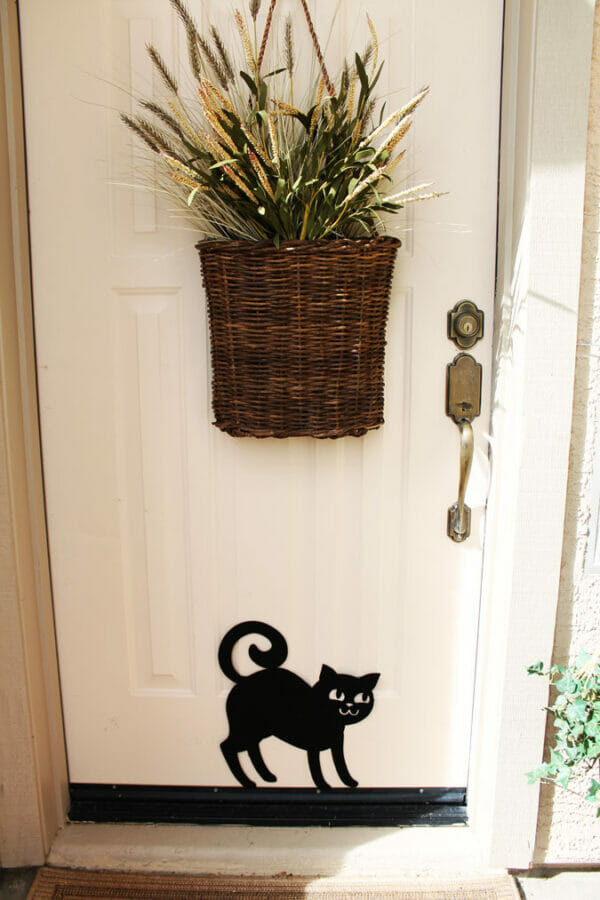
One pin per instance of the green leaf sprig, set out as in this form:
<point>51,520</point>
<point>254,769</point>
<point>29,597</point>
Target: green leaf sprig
<point>576,714</point>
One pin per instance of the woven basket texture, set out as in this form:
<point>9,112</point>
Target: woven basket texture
<point>298,335</point>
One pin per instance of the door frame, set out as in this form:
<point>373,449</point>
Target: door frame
<point>541,189</point>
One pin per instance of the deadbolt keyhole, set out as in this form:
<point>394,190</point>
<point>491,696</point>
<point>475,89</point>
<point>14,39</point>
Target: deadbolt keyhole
<point>465,324</point>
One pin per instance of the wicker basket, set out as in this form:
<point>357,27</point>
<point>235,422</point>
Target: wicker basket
<point>298,335</point>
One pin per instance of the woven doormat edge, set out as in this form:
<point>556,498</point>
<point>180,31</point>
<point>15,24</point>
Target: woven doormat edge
<point>50,877</point>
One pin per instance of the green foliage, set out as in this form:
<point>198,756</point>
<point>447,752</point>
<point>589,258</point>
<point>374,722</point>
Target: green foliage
<point>576,715</point>
<point>250,164</point>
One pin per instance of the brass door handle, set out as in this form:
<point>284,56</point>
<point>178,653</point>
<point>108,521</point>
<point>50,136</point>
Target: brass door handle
<point>463,404</point>
<point>459,514</point>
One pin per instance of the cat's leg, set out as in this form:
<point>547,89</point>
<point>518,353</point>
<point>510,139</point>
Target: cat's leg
<point>337,751</point>
<point>231,758</point>
<point>259,763</point>
<point>314,763</point>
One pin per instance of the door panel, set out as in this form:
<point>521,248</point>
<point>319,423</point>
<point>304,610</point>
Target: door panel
<point>164,532</point>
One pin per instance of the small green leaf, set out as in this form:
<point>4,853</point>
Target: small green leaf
<point>249,81</point>
<point>536,669</point>
<point>223,162</point>
<point>582,658</point>
<point>594,792</point>
<point>566,685</point>
<point>538,772</point>
<point>577,712</point>
<point>262,95</point>
<point>364,80</point>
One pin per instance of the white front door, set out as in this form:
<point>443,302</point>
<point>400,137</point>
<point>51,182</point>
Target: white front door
<point>164,532</point>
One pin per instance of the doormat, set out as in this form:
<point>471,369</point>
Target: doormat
<point>52,884</point>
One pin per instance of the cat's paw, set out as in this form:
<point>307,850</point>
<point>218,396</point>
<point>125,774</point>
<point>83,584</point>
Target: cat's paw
<point>269,777</point>
<point>351,783</point>
<point>322,786</point>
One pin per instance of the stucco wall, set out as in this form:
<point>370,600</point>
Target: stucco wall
<point>568,831</point>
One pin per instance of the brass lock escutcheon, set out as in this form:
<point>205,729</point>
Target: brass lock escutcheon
<point>463,404</point>
<point>465,324</point>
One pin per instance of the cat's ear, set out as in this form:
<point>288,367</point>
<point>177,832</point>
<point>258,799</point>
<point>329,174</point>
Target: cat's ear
<point>370,681</point>
<point>327,673</point>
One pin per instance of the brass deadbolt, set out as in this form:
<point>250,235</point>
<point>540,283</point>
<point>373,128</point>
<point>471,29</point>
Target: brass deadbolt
<point>465,324</point>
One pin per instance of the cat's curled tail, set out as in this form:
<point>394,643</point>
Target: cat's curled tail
<point>268,659</point>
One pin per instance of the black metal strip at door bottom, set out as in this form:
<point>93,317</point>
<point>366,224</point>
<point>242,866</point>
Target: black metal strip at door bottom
<point>267,806</point>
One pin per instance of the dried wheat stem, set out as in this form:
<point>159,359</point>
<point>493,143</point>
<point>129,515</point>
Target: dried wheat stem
<point>196,62</point>
<point>213,147</point>
<point>243,31</point>
<point>162,68</point>
<point>181,167</point>
<point>392,165</point>
<point>217,97</point>
<point>260,172</point>
<point>375,44</point>
<point>395,137</point>
<point>400,132</point>
<point>212,112</point>
<point>315,115</point>
<point>432,196</point>
<point>224,55</point>
<point>218,128</point>
<point>189,182</point>
<point>396,116</point>
<point>253,143</point>
<point>235,178</point>
<point>351,92</point>
<point>183,13</point>
<point>185,125</point>
<point>263,43</point>
<point>274,143</point>
<point>164,116</point>
<point>289,47</point>
<point>214,62</point>
<point>137,129</point>
<point>317,47</point>
<point>156,135</point>
<point>285,109</point>
<point>404,195</point>
<point>374,176</point>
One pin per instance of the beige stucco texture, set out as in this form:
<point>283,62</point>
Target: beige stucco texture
<point>568,830</point>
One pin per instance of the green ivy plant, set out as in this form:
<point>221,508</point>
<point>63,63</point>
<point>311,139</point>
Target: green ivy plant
<point>576,714</point>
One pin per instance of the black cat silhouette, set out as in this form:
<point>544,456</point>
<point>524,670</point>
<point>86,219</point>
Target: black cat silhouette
<point>277,702</point>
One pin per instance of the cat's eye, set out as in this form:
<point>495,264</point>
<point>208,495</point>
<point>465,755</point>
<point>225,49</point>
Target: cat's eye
<point>362,698</point>
<point>336,694</point>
